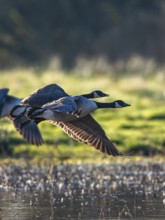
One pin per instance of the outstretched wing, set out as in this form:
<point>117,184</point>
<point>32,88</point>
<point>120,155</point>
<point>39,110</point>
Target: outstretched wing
<point>26,127</point>
<point>29,130</point>
<point>88,131</point>
<point>44,95</point>
<point>3,95</point>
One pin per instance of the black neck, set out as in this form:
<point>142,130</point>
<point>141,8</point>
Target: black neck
<point>105,105</point>
<point>88,96</point>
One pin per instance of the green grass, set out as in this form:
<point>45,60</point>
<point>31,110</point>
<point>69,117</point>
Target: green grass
<point>139,128</point>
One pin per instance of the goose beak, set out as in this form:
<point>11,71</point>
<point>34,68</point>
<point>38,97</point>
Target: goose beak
<point>105,94</point>
<point>126,104</point>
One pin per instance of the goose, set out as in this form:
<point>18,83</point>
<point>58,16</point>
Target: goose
<point>43,95</point>
<point>7,102</point>
<point>53,92</point>
<point>38,98</point>
<point>70,108</point>
<point>72,114</point>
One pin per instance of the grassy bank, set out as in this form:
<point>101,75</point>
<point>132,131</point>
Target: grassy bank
<point>139,128</point>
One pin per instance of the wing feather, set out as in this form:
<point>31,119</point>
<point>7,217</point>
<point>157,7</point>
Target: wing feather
<point>29,130</point>
<point>88,131</point>
<point>44,95</point>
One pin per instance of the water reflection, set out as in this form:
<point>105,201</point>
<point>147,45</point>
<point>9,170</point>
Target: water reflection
<point>131,191</point>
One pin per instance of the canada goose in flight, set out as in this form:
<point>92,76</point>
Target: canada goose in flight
<point>72,114</point>
<point>53,92</point>
<point>38,98</point>
<point>41,96</point>
<point>70,108</point>
<point>7,102</point>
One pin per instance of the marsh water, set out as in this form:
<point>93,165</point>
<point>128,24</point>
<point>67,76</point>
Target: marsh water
<point>90,191</point>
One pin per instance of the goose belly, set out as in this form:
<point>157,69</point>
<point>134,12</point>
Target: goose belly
<point>58,116</point>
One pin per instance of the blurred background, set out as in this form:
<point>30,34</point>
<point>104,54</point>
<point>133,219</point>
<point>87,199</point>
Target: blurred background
<point>121,34</point>
<point>113,45</point>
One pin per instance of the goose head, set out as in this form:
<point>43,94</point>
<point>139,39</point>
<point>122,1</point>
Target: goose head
<point>95,94</point>
<point>98,94</point>
<point>120,104</point>
<point>115,104</point>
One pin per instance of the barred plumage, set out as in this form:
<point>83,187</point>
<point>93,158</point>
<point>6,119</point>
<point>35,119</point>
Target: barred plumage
<point>88,131</point>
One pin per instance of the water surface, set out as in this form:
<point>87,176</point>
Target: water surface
<point>90,191</point>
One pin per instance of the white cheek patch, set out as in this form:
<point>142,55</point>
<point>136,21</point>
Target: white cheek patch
<point>117,105</point>
<point>96,95</point>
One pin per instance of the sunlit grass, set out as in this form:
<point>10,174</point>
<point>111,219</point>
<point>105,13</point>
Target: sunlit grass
<point>135,128</point>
